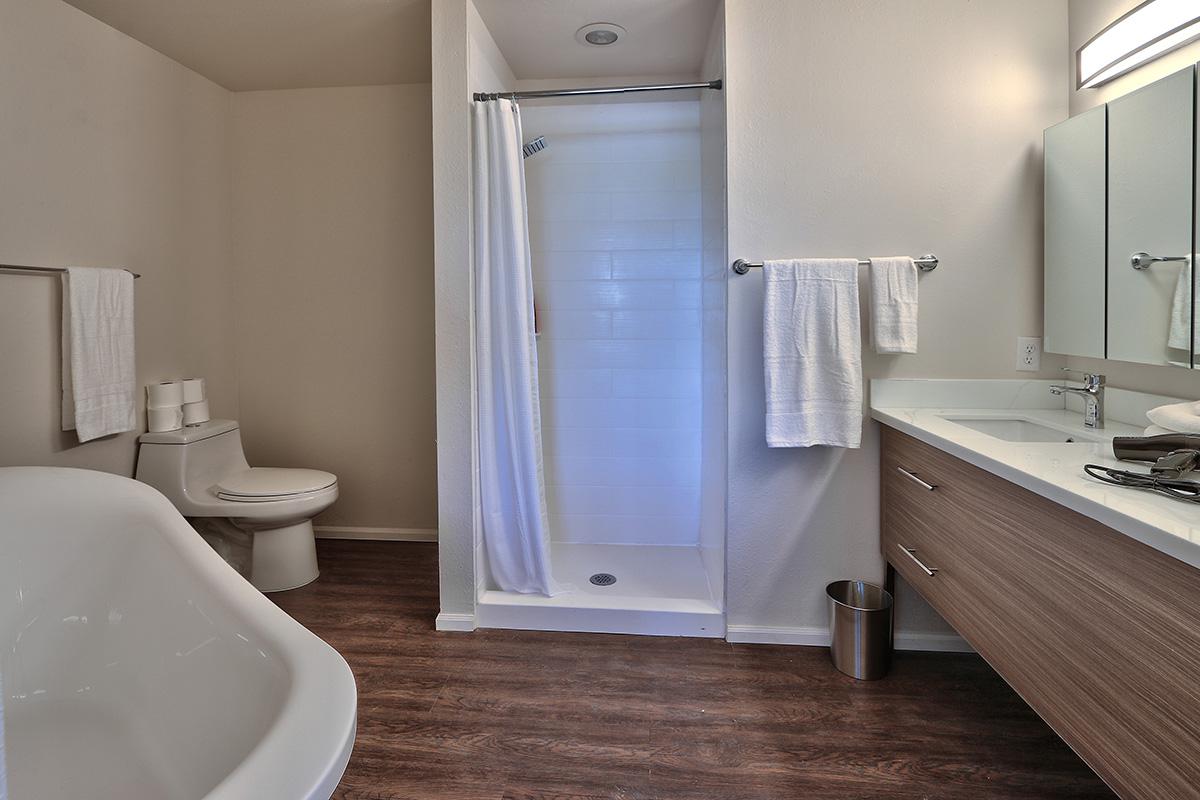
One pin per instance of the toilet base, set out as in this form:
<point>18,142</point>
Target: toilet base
<point>284,558</point>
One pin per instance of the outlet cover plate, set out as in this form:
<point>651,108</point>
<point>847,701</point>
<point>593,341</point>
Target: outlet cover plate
<point>1029,353</point>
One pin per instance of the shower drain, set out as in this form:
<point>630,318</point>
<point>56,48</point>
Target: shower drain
<point>603,579</point>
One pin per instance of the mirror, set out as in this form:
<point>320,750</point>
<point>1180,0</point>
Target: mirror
<point>1074,239</point>
<point>1150,173</point>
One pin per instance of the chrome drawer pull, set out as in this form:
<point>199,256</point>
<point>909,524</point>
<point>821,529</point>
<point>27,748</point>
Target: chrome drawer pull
<point>912,477</point>
<point>911,553</point>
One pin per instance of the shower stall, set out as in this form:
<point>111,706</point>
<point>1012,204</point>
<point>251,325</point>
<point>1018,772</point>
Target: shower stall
<point>624,190</point>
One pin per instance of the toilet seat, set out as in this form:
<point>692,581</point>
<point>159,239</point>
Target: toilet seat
<point>268,484</point>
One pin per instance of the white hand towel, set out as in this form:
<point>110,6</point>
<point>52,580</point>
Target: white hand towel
<point>1179,332</point>
<point>98,374</point>
<point>1177,417</point>
<point>893,304</point>
<point>812,352</point>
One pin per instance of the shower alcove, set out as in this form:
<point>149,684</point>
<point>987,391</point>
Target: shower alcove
<point>626,215</point>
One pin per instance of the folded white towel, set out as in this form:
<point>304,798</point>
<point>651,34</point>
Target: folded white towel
<point>98,374</point>
<point>893,304</point>
<point>812,352</point>
<point>1177,417</point>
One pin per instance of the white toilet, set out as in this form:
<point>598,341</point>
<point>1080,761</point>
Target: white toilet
<point>202,470</point>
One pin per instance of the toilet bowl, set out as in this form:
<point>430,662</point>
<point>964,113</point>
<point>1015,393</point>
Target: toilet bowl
<point>203,471</point>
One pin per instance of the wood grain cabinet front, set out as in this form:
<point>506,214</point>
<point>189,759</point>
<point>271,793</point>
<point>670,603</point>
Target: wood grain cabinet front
<point>1099,633</point>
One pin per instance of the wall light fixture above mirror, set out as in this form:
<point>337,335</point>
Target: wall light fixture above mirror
<point>1148,31</point>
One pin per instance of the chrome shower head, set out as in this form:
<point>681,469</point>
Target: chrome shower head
<point>535,146</point>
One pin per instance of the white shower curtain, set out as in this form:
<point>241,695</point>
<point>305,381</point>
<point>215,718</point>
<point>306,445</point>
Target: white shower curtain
<point>511,482</point>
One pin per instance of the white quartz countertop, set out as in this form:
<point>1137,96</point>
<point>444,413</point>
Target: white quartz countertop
<point>1051,469</point>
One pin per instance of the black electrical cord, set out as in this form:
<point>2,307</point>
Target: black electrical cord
<point>1171,487</point>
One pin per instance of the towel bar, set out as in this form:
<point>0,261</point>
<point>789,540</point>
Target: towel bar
<point>926,263</point>
<point>20,268</point>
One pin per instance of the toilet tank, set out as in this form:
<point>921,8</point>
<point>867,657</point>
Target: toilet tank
<point>188,462</point>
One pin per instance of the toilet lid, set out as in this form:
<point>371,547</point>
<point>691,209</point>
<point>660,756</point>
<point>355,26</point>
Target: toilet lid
<point>258,483</point>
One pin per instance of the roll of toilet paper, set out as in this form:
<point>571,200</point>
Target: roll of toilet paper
<point>164,395</point>
<point>167,418</point>
<point>195,413</point>
<point>193,390</point>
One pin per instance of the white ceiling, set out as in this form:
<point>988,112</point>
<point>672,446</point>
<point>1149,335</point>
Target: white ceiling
<point>537,37</point>
<point>281,44</point>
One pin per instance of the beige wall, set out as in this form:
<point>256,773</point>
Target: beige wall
<point>114,155</point>
<point>110,155</point>
<point>1087,18</point>
<point>333,254</point>
<point>848,137</point>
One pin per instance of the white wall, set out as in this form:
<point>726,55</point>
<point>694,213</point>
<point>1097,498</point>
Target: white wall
<point>614,221</point>
<point>110,155</point>
<point>861,128</point>
<point>713,428</point>
<point>1087,18</point>
<point>465,60</point>
<point>333,245</point>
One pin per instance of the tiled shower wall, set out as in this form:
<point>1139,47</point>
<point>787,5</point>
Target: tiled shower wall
<point>614,204</point>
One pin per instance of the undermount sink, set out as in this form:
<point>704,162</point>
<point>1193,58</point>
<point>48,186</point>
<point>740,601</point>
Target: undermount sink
<point>1021,430</point>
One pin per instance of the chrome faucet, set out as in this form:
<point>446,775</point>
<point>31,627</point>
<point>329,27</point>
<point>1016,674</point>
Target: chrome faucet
<point>1092,393</point>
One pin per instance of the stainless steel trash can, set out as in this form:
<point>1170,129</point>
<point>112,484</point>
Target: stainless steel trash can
<point>860,627</point>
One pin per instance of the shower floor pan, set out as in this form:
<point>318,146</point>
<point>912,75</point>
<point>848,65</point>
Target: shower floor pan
<point>659,591</point>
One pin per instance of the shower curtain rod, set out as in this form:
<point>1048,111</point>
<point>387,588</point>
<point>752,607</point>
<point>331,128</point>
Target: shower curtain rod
<point>662,87</point>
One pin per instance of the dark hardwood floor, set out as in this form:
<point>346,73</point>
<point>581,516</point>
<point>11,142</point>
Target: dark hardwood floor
<point>509,715</point>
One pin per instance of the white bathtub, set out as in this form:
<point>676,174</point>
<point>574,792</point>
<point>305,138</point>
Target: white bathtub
<point>135,664</point>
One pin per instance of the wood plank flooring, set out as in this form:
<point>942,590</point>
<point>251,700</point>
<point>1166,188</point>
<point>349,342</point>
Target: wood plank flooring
<point>510,715</point>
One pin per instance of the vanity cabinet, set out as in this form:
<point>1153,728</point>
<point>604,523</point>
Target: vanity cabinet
<point>1099,633</point>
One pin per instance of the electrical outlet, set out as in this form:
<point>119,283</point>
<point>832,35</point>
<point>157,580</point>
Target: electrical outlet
<point>1029,353</point>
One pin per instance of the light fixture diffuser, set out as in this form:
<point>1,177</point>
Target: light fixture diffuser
<point>599,34</point>
<point>1140,36</point>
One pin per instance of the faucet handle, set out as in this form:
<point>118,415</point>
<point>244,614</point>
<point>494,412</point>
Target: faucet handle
<point>1091,380</point>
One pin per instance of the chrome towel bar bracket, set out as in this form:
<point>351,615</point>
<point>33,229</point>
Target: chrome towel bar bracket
<point>925,263</point>
<point>1141,261</point>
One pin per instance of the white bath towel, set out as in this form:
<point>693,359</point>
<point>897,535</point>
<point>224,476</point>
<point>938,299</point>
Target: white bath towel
<point>893,304</point>
<point>812,352</point>
<point>1177,417</point>
<point>98,375</point>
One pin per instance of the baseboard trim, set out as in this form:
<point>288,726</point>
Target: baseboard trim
<point>819,637</point>
<point>455,622</point>
<point>376,534</point>
<point>767,634</point>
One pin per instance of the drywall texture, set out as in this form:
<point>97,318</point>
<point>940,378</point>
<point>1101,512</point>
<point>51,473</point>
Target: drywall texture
<point>614,224</point>
<point>112,155</point>
<point>1087,18</point>
<point>333,242</point>
<point>845,139</point>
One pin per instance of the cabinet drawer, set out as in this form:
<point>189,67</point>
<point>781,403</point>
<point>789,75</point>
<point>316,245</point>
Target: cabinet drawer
<point>1099,633</point>
<point>917,549</point>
